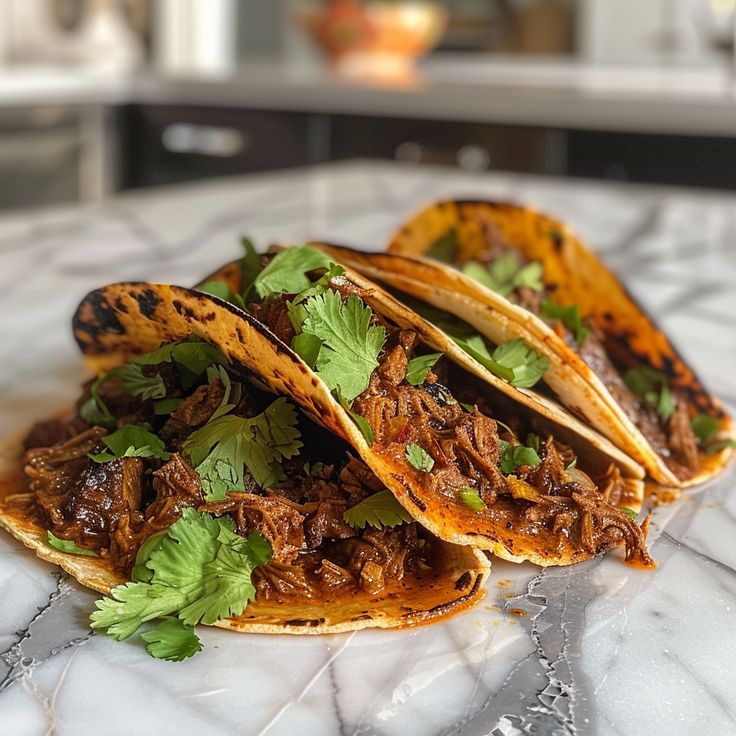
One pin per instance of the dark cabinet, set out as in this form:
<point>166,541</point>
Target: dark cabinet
<point>168,144</point>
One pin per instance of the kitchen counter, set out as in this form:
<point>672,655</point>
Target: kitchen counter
<point>604,649</point>
<point>544,93</point>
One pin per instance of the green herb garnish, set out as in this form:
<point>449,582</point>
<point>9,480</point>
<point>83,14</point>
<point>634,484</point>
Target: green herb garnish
<point>444,248</point>
<point>477,349</point>
<point>505,274</point>
<point>286,273</point>
<point>350,344</point>
<point>227,445</point>
<point>471,498</point>
<point>569,316</point>
<point>379,510</point>
<point>66,545</point>
<point>419,367</point>
<point>652,386</point>
<point>172,640</point>
<point>200,571</point>
<point>419,458</point>
<point>528,366</point>
<point>132,440</point>
<point>630,512</point>
<point>513,457</point>
<point>221,290</point>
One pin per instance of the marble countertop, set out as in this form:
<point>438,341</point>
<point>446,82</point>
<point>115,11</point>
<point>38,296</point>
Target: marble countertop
<point>537,92</point>
<point>603,650</point>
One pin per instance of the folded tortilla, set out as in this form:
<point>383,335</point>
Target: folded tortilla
<point>109,328</point>
<point>572,274</point>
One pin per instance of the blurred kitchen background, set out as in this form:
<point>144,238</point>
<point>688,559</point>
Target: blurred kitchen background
<point>99,96</point>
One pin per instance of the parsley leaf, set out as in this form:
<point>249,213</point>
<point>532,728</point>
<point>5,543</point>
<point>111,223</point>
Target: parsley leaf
<point>505,274</point>
<point>445,247</point>
<point>513,457</point>
<point>652,386</point>
<point>350,345</point>
<point>172,640</point>
<point>419,367</point>
<point>379,510</point>
<point>221,449</point>
<point>132,440</point>
<point>528,366</point>
<point>286,273</point>
<point>66,545</point>
<point>418,457</point>
<point>471,498</point>
<point>201,571</point>
<point>569,316</point>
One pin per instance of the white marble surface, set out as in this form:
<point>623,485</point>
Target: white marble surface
<point>604,649</point>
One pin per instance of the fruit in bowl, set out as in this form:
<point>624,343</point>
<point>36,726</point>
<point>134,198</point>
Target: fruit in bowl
<point>375,38</point>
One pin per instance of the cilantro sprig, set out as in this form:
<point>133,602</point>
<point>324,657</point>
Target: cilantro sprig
<point>172,640</point>
<point>471,498</point>
<point>653,386</point>
<point>379,510</point>
<point>132,440</point>
<point>287,271</point>
<point>569,316</point>
<point>67,546</point>
<point>222,449</point>
<point>418,368</point>
<point>505,274</point>
<point>445,247</point>
<point>513,457</point>
<point>350,345</point>
<point>199,570</point>
<point>705,428</point>
<point>418,457</point>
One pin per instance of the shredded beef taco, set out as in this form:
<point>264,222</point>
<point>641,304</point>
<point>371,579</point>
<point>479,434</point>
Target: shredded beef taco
<point>513,273</point>
<point>188,495</point>
<point>472,457</point>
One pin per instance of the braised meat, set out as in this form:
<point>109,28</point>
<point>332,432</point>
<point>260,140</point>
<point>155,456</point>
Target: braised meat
<point>274,313</point>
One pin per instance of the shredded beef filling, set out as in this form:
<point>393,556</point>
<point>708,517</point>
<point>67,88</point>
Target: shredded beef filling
<point>465,449</point>
<point>672,441</point>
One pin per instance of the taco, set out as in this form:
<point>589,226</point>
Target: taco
<point>473,458</point>
<point>512,272</point>
<point>188,494</point>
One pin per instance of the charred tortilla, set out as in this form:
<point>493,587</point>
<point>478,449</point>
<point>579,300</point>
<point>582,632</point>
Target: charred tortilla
<point>587,377</point>
<point>506,527</point>
<point>343,579</point>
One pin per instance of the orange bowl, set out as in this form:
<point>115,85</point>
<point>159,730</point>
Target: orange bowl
<point>375,37</point>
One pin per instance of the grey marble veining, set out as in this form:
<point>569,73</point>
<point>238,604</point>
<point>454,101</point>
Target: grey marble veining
<point>603,649</point>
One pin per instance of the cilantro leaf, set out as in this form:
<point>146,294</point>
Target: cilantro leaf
<point>201,571</point>
<point>704,427</point>
<point>286,273</point>
<point>379,510</point>
<point>132,440</point>
<point>445,247</point>
<point>471,498</point>
<point>94,410</point>
<point>165,406</point>
<point>505,274</point>
<point>334,271</point>
<point>250,267</point>
<point>476,348</point>
<point>135,383</point>
<point>226,445</point>
<point>528,366</point>
<point>350,345</point>
<point>363,425</point>
<point>569,316</point>
<point>172,640</point>
<point>419,367</point>
<point>715,447</point>
<point>652,386</point>
<point>513,457</point>
<point>221,290</point>
<point>418,457</point>
<point>630,512</point>
<point>66,545</point>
